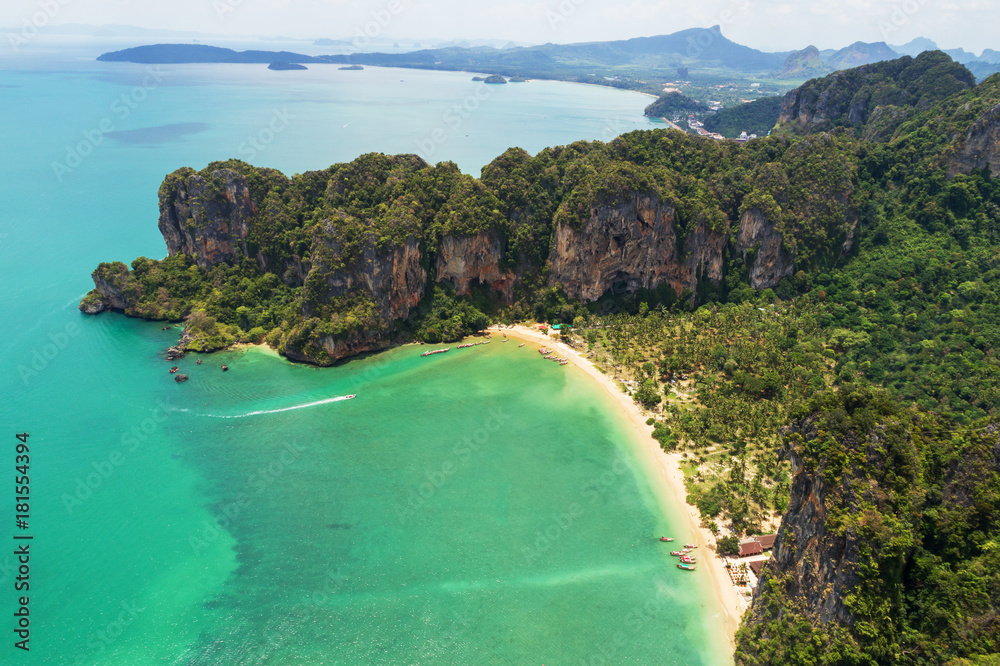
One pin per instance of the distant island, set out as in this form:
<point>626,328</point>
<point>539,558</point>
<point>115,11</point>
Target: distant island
<point>351,68</point>
<point>478,78</point>
<point>517,79</point>
<point>496,79</point>
<point>171,54</point>
<point>283,66</point>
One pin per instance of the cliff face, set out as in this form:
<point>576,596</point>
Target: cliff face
<point>462,260</point>
<point>207,218</point>
<point>393,278</point>
<point>112,284</point>
<point>771,262</point>
<point>980,148</point>
<point>627,247</point>
<point>816,564</point>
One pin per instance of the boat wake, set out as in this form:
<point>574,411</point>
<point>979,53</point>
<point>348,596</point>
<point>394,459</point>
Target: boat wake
<point>261,412</point>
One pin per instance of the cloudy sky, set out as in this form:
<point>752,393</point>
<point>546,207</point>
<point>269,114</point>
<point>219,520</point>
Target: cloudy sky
<point>773,25</point>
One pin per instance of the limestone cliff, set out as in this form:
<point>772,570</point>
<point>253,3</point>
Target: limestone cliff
<point>207,218</point>
<point>463,260</point>
<point>393,277</point>
<point>757,236</point>
<point>112,286</point>
<point>629,246</point>
<point>980,148</point>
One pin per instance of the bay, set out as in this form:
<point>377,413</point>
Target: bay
<point>248,516</point>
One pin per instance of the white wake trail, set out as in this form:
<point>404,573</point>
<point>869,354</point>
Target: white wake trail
<point>325,401</point>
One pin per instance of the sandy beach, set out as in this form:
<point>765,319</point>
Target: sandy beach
<point>669,464</point>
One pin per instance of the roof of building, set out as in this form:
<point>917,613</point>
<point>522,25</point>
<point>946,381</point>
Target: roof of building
<point>757,566</point>
<point>766,540</point>
<point>750,548</point>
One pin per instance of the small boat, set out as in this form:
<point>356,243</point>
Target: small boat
<point>685,551</point>
<point>436,351</point>
<point>521,345</point>
<point>348,397</point>
<point>687,567</point>
<point>666,538</point>
<point>690,545</point>
<point>506,339</point>
<point>564,362</point>
<point>225,367</point>
<point>470,344</point>
<point>688,559</point>
<point>543,351</point>
<point>174,369</point>
<point>676,553</point>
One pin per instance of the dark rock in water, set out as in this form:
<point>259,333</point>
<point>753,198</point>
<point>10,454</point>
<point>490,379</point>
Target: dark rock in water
<point>180,378</point>
<point>198,362</point>
<point>225,367</point>
<point>496,78</point>
<point>175,353</point>
<point>517,79</point>
<point>285,66</point>
<point>478,78</point>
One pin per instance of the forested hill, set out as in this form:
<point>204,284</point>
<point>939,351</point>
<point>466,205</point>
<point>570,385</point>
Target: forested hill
<point>876,98</point>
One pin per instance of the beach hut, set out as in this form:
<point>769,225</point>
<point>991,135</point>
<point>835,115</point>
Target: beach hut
<point>750,548</point>
<point>766,541</point>
<point>757,566</point>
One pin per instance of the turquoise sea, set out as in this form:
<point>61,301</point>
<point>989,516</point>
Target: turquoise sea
<point>477,507</point>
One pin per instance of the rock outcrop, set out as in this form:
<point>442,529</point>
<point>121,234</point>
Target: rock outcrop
<point>770,261</point>
<point>206,217</point>
<point>629,246</point>
<point>463,260</point>
<point>393,278</point>
<point>980,148</point>
<point>850,97</point>
<point>112,286</point>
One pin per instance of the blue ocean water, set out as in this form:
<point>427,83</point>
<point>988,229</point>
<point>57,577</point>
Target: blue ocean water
<point>482,508</point>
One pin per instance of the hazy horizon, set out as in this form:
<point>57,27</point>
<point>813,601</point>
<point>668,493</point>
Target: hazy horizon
<point>767,26</point>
